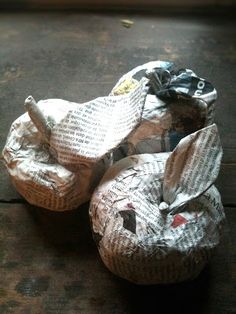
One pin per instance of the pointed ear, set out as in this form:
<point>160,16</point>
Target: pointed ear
<point>38,118</point>
<point>192,167</point>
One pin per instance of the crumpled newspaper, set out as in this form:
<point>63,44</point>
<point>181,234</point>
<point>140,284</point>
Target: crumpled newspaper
<point>157,218</point>
<point>178,103</point>
<point>58,151</point>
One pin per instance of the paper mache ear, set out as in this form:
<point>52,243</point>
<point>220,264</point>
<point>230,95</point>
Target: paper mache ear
<point>192,167</point>
<point>43,124</point>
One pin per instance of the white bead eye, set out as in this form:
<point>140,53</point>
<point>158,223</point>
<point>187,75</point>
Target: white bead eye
<point>163,206</point>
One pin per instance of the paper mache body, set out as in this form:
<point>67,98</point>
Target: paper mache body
<point>57,152</point>
<point>157,218</point>
<point>176,108</point>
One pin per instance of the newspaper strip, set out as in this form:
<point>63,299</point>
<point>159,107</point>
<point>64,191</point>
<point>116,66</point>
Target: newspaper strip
<point>183,107</point>
<point>192,167</point>
<point>140,234</point>
<point>58,151</point>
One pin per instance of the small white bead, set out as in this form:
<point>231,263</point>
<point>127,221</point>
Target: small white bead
<point>163,206</point>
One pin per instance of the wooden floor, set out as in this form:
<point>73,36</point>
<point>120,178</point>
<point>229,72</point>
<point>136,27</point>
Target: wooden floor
<point>48,261</point>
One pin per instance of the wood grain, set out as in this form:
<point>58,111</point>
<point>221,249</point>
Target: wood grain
<point>49,264</point>
<point>184,5</point>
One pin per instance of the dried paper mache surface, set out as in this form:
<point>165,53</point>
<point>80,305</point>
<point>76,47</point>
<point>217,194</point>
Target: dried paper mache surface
<point>178,103</point>
<point>157,218</point>
<point>57,151</point>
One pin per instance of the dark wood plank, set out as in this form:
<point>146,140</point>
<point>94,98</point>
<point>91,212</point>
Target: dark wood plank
<point>187,6</point>
<point>226,183</point>
<point>49,264</point>
<point>7,191</point>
